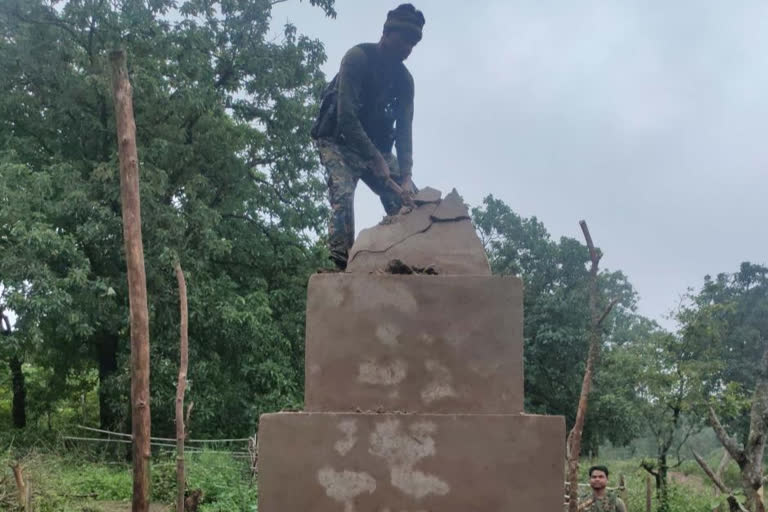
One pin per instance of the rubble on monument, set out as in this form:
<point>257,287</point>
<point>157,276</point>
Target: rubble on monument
<point>437,234</point>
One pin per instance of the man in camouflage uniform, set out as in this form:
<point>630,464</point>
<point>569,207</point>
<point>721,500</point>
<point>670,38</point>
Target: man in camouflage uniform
<point>365,111</point>
<point>601,500</point>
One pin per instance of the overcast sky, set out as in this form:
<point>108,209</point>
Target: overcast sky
<point>648,119</point>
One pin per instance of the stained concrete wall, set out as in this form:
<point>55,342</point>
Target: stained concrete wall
<point>414,343</point>
<point>324,462</point>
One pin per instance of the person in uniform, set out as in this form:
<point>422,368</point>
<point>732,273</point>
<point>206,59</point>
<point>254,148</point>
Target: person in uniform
<point>365,111</point>
<point>601,500</point>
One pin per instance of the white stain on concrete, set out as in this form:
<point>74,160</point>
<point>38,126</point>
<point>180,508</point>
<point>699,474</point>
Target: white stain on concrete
<point>387,334</point>
<point>485,369</point>
<point>383,295</point>
<point>441,385</point>
<point>335,295</point>
<point>371,372</point>
<point>345,486</point>
<point>349,429</point>
<point>402,451</point>
<point>427,339</point>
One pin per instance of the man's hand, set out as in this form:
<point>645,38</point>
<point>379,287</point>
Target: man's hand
<point>407,185</point>
<point>408,191</point>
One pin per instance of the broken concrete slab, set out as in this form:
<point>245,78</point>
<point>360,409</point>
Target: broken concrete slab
<point>451,208</point>
<point>415,343</point>
<point>391,462</point>
<point>449,247</point>
<point>427,195</point>
<point>382,237</point>
<point>439,235</point>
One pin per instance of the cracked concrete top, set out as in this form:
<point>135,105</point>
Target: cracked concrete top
<point>438,233</point>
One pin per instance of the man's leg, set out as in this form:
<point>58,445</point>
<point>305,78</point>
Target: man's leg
<point>341,181</point>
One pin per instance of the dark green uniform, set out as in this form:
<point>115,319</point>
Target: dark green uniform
<point>366,109</point>
<point>608,503</point>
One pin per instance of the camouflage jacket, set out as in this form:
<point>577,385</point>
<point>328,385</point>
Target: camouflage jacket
<point>608,503</point>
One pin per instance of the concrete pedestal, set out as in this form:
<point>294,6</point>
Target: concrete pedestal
<point>325,462</point>
<point>414,343</point>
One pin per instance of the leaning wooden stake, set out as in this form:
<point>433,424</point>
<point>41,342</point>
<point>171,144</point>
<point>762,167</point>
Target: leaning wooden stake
<point>595,338</point>
<point>733,503</point>
<point>18,475</point>
<point>137,281</point>
<point>181,386</point>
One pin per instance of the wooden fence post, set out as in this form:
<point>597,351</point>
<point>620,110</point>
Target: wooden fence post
<point>623,494</point>
<point>137,279</point>
<point>648,493</point>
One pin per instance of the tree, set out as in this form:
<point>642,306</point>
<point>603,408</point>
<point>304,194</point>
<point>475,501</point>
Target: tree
<point>668,370</point>
<point>597,314</point>
<point>557,316</point>
<point>730,315</point>
<point>230,186</point>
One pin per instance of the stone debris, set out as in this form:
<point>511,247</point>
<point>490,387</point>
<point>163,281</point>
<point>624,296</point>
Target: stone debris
<point>437,237</point>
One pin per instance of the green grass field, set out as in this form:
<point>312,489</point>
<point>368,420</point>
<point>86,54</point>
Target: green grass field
<point>74,478</point>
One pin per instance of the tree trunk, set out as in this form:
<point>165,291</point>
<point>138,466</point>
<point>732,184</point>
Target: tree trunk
<point>661,482</point>
<point>137,281</point>
<point>107,344</point>
<point>595,338</point>
<point>19,389</point>
<point>750,457</point>
<point>181,386</point>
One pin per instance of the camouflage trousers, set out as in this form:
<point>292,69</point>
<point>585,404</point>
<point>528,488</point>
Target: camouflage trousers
<point>343,169</point>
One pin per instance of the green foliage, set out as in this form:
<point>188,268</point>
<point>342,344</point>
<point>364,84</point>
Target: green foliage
<point>230,187</point>
<point>557,320</point>
<point>729,316</point>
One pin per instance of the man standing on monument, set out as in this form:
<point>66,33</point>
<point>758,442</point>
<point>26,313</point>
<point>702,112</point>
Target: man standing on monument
<point>365,111</point>
<point>601,500</point>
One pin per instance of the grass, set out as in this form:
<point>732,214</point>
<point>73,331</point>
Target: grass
<point>81,482</point>
<point>689,488</point>
<point>100,480</point>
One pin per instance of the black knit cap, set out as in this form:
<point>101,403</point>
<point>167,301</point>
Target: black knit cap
<point>405,18</point>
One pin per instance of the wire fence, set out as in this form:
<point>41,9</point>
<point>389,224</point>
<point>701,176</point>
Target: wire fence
<point>244,448</point>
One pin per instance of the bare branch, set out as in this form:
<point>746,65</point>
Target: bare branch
<point>734,449</point>
<point>608,310</point>
<point>649,467</point>
<point>733,503</point>
<point>593,254</point>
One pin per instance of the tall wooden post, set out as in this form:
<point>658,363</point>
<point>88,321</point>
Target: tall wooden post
<point>181,386</point>
<point>595,340</point>
<point>137,280</point>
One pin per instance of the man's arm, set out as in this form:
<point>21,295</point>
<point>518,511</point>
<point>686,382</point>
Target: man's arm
<point>350,86</point>
<point>404,130</point>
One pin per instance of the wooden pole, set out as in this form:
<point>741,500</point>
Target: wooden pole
<point>18,474</point>
<point>648,493</point>
<point>595,338</point>
<point>137,280</point>
<point>181,386</point>
<point>623,494</point>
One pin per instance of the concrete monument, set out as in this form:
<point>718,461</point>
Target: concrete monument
<point>414,384</point>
